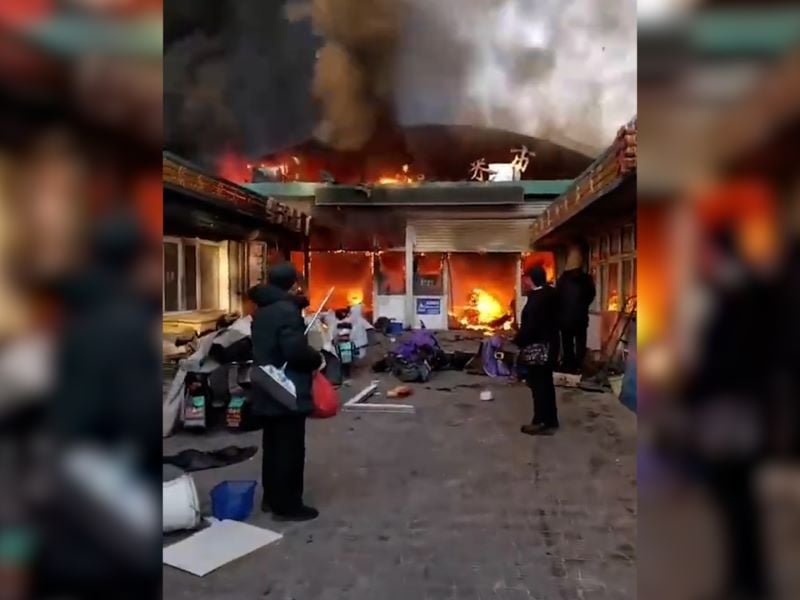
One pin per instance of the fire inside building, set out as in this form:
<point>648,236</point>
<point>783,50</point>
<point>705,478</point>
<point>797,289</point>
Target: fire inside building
<point>440,240</point>
<point>438,236</point>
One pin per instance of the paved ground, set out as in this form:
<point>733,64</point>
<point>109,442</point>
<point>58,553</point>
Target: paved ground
<point>449,503</point>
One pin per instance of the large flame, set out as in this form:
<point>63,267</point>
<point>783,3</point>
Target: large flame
<point>404,177</point>
<point>485,312</point>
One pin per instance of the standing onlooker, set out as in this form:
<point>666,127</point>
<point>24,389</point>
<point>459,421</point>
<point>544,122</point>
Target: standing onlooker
<point>538,343</point>
<point>576,293</point>
<point>278,339</point>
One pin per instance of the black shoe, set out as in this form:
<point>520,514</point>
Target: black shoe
<point>303,513</point>
<point>265,507</point>
<point>538,429</point>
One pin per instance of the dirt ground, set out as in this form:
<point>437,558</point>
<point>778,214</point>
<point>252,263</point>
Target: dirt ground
<point>450,502</point>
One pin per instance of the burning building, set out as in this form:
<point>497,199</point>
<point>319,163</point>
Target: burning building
<point>219,239</point>
<point>599,210</point>
<point>439,255</point>
<point>405,227</point>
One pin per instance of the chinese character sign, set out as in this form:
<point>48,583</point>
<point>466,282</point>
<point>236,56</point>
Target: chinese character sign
<point>479,171</point>
<point>521,160</point>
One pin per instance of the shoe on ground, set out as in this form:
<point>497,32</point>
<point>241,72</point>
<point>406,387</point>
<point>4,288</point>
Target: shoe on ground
<point>303,513</point>
<point>538,429</point>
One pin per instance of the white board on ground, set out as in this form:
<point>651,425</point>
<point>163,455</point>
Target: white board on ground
<point>219,544</point>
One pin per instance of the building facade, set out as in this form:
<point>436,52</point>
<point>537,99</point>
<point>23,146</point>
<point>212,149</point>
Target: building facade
<point>219,239</point>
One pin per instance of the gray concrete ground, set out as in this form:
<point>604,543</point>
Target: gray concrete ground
<point>452,502</point>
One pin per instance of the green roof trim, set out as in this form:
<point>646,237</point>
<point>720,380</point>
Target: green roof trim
<point>537,187</point>
<point>71,36</point>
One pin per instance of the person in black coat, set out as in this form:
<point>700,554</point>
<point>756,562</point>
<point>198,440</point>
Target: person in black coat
<point>539,326</point>
<point>279,338</point>
<point>576,292</point>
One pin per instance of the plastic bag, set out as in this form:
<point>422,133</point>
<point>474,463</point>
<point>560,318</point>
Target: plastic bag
<point>326,400</point>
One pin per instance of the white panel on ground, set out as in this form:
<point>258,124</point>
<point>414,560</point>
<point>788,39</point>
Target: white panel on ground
<point>221,543</point>
<point>430,310</point>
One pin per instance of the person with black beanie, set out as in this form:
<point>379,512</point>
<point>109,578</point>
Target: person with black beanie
<point>279,338</point>
<point>539,328</point>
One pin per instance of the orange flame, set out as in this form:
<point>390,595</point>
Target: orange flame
<point>484,310</point>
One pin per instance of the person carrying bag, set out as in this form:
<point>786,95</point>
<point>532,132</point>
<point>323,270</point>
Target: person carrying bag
<point>282,392</point>
<point>538,343</point>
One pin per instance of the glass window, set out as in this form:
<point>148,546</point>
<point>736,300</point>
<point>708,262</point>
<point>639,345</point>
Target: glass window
<point>209,277</point>
<point>628,239</point>
<point>595,252</point>
<point>604,247</point>
<point>613,302</point>
<point>428,274</point>
<point>602,289</point>
<point>627,281</point>
<point>171,277</point>
<point>190,277</point>
<point>616,242</point>
<point>255,263</point>
<point>390,273</point>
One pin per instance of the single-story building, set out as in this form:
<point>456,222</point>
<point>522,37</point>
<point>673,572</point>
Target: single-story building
<point>219,239</point>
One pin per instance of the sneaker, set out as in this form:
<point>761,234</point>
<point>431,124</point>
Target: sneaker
<point>303,513</point>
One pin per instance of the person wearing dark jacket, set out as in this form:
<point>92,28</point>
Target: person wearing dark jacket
<point>539,326</point>
<point>279,338</point>
<point>576,293</point>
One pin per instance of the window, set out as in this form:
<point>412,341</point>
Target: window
<point>192,275</point>
<point>171,292</point>
<point>256,263</point>
<point>613,266</point>
<point>390,273</point>
<point>428,274</point>
<point>616,242</point>
<point>190,270</point>
<point>209,279</point>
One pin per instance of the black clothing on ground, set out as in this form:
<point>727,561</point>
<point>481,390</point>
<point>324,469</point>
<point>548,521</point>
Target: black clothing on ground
<point>278,334</point>
<point>576,293</point>
<point>283,463</point>
<point>539,326</point>
<point>199,460</point>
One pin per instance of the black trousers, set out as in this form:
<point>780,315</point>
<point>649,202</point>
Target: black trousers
<point>283,462</point>
<point>573,344</point>
<point>732,487</point>
<point>540,380</point>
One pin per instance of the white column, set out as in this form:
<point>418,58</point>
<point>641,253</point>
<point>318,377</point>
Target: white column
<point>409,310</point>
<point>518,285</point>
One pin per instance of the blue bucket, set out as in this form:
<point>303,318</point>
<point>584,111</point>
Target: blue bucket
<point>233,500</point>
<point>394,328</point>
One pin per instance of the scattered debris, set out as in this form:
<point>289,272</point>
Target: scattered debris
<point>487,396</point>
<point>401,391</point>
<point>357,403</point>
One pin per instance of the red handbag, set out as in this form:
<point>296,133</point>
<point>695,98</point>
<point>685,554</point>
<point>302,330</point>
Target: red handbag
<point>326,400</point>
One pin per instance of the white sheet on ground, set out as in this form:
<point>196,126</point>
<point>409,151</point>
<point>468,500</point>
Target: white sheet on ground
<point>219,544</point>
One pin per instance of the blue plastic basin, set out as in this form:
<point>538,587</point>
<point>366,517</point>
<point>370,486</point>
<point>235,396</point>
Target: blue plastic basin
<point>233,500</point>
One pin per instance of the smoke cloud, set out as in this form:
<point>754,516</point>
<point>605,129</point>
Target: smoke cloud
<point>261,76</point>
<point>553,69</point>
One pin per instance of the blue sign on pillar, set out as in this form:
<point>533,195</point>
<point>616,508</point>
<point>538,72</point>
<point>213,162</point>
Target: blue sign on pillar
<point>429,306</point>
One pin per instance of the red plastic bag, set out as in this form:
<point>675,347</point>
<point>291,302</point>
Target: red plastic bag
<point>326,400</point>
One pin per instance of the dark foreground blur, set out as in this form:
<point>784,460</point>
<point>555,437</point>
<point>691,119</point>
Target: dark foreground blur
<point>719,291</point>
<point>80,299</point>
